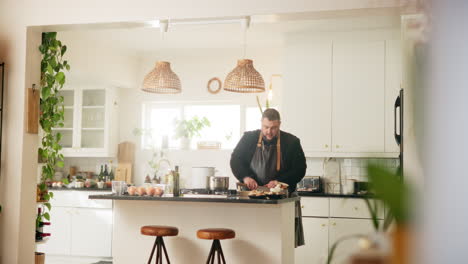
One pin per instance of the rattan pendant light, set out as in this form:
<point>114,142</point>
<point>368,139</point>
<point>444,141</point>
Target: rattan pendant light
<point>162,79</point>
<point>244,78</point>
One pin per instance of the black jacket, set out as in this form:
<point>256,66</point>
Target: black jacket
<point>293,165</point>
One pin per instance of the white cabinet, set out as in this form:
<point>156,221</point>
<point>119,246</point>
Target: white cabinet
<point>60,240</point>
<point>315,250</point>
<point>392,90</point>
<point>342,227</point>
<point>338,92</point>
<point>79,227</point>
<point>327,220</point>
<point>91,233</point>
<point>358,96</point>
<point>307,97</point>
<point>90,123</point>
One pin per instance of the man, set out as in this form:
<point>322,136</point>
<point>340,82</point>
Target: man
<point>268,156</point>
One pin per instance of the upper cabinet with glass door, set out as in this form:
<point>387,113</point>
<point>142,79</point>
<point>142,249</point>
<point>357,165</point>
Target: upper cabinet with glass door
<point>90,122</point>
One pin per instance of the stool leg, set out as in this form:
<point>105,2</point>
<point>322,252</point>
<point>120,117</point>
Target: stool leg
<point>220,252</point>
<point>165,251</point>
<point>158,250</point>
<point>211,255</point>
<point>152,251</point>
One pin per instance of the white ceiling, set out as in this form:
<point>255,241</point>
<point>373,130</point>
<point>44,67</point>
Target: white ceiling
<point>140,38</point>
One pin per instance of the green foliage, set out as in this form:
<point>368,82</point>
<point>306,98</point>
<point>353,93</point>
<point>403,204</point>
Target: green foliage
<point>52,111</point>
<point>389,187</point>
<point>190,128</point>
<point>267,104</point>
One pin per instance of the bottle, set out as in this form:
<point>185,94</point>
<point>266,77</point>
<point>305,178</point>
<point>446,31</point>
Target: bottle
<point>40,226</point>
<point>111,173</point>
<point>101,174</point>
<point>176,182</point>
<point>106,173</point>
<point>40,235</point>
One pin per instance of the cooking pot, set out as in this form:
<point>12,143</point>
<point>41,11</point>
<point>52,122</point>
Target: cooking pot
<point>199,176</point>
<point>217,183</point>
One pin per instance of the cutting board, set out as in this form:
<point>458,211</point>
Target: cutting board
<point>33,111</point>
<point>126,152</point>
<point>124,172</point>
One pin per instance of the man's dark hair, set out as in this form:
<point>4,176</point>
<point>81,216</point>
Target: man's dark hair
<point>271,114</point>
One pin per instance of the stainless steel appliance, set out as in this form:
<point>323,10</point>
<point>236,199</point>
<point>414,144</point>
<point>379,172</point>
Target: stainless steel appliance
<point>218,183</point>
<point>312,184</point>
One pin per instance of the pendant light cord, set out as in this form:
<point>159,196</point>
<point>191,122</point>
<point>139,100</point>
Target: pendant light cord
<point>245,42</point>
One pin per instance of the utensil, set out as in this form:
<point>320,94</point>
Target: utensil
<point>218,183</point>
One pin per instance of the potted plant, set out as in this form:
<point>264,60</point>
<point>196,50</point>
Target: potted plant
<point>185,130</point>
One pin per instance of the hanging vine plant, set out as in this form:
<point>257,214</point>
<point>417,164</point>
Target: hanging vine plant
<point>52,113</point>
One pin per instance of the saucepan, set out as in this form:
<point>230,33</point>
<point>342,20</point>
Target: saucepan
<point>218,183</point>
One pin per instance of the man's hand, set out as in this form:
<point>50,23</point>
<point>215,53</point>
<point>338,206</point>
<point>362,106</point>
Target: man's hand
<point>272,184</point>
<point>251,183</point>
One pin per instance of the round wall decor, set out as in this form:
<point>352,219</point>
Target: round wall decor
<point>214,85</point>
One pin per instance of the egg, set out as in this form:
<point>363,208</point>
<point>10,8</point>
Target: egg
<point>131,190</point>
<point>141,191</point>
<point>158,191</point>
<point>150,190</point>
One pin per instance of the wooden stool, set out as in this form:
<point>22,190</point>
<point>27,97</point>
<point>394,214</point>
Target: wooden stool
<point>159,232</point>
<point>216,234</point>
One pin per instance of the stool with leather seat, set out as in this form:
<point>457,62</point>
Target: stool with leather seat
<point>159,232</point>
<point>216,234</point>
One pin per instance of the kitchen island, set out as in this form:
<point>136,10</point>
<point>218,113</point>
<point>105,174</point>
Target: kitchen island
<point>264,228</point>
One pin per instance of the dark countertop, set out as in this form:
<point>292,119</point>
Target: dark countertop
<point>79,189</point>
<point>229,199</point>
<point>331,195</point>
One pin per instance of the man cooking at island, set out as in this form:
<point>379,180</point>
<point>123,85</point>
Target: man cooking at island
<point>267,156</point>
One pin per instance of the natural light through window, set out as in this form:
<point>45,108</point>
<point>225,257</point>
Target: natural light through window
<point>159,126</point>
<point>224,120</point>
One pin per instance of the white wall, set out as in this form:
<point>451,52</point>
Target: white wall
<point>17,195</point>
<point>94,63</point>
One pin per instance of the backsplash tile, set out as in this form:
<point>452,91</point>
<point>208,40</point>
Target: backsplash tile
<point>351,168</point>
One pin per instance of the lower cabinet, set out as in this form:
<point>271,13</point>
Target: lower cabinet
<point>91,233</point>
<point>345,217</point>
<point>340,228</point>
<point>78,227</point>
<point>316,241</point>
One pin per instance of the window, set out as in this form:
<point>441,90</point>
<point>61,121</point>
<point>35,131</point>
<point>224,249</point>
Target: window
<point>252,118</point>
<point>224,120</point>
<point>159,124</point>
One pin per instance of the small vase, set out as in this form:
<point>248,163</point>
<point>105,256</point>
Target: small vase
<point>185,143</point>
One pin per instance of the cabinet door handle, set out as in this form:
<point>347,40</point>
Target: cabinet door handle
<point>334,224</point>
<point>356,208</point>
<point>326,145</point>
<point>302,206</point>
<point>337,146</point>
<point>323,225</point>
